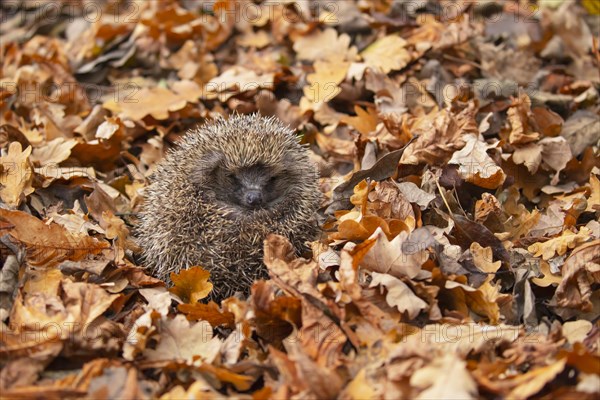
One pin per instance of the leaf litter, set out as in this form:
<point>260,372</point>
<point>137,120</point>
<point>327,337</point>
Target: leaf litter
<point>459,155</point>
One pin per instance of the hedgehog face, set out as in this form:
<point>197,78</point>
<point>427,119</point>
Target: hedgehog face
<point>244,189</point>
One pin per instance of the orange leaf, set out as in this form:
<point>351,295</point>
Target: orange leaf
<point>191,284</point>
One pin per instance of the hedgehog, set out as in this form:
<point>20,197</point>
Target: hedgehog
<point>214,199</point>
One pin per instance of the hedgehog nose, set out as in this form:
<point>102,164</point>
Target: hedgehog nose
<point>253,198</point>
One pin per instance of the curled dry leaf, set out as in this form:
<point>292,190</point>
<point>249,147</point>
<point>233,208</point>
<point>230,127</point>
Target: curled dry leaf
<point>16,175</point>
<point>399,294</point>
<point>399,257</point>
<point>476,166</point>
<point>579,271</point>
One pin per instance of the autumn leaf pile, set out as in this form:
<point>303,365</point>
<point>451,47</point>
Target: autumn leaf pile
<point>458,144</point>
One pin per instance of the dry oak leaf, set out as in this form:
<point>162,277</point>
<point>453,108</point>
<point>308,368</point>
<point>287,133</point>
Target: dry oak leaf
<point>200,389</point>
<point>50,173</point>
<point>81,304</point>
<point>549,278</point>
<point>415,194</point>
<point>185,341</point>
<point>365,120</point>
<point>462,339</point>
<point>483,259</point>
<point>488,204</point>
<point>576,331</point>
<point>236,80</point>
<point>191,284</point>
<point>398,257</point>
<point>350,229</point>
<point>583,265</point>
<point>53,152</point>
<point>387,54</point>
<point>324,82</point>
<point>361,193</point>
<point>241,382</point>
<point>49,244</point>
<point>208,312</point>
<point>556,153</point>
<point>476,166</point>
<point>440,135</point>
<point>144,327</point>
<point>482,301</point>
<point>594,198</point>
<point>322,45</point>
<point>446,377</point>
<point>529,155</point>
<point>156,102</point>
<point>399,295</point>
<point>16,175</point>
<point>561,244</point>
<point>521,120</point>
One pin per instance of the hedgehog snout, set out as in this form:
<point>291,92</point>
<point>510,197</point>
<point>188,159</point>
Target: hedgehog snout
<point>253,198</point>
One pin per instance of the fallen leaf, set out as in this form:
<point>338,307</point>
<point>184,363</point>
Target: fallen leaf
<point>533,381</point>
<point>576,331</point>
<point>559,245</point>
<point>475,166</point>
<point>16,175</point>
<point>399,294</point>
<point>191,284</point>
<point>388,54</point>
<point>402,256</point>
<point>48,245</point>
<point>446,377</point>
<point>185,341</point>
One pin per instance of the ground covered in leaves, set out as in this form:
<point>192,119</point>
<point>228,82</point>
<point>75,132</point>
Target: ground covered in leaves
<point>458,147</point>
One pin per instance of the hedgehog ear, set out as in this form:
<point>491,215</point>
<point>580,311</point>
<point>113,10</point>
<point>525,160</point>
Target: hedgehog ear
<point>205,166</point>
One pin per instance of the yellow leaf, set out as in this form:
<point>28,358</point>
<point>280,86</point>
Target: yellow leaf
<point>191,284</point>
<point>559,245</point>
<point>16,175</point>
<point>365,121</point>
<point>387,54</point>
<point>591,6</point>
<point>594,199</point>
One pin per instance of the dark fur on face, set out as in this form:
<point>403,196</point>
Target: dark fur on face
<point>246,188</point>
<point>252,187</point>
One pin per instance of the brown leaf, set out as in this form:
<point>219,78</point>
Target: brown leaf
<point>476,166</point>
<point>48,245</point>
<point>208,312</point>
<point>364,122</point>
<point>521,120</point>
<point>575,289</point>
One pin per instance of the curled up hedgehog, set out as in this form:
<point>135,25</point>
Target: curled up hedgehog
<point>214,199</point>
